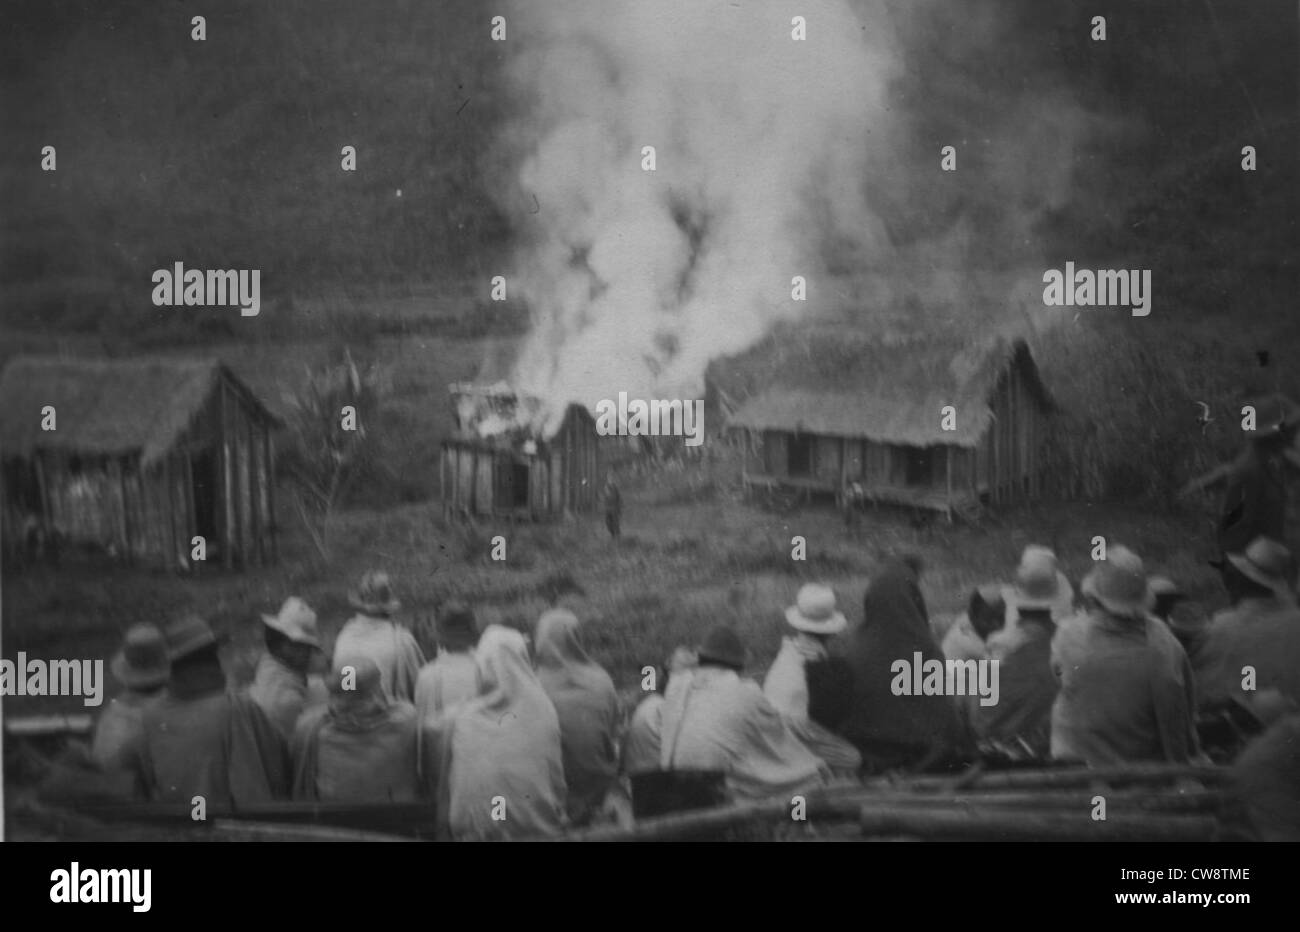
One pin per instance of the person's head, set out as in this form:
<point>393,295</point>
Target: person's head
<point>987,610</point>
<point>456,630</point>
<point>558,641</point>
<point>1266,569</point>
<point>1167,594</point>
<point>1118,585</point>
<point>291,636</point>
<point>682,659</point>
<point>814,612</point>
<point>722,647</point>
<point>374,596</point>
<point>142,665</point>
<point>193,650</point>
<point>1040,582</point>
<point>355,685</point>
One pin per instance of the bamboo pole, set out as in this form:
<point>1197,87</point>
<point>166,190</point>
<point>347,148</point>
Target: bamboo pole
<point>1034,826</point>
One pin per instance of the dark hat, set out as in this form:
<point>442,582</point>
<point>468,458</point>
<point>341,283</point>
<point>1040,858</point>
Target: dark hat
<point>188,635</point>
<point>723,646</point>
<point>1269,564</point>
<point>374,594</point>
<point>142,662</point>
<point>455,627</point>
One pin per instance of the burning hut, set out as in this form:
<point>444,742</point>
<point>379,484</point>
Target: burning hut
<point>840,411</point>
<point>138,457</point>
<point>499,462</point>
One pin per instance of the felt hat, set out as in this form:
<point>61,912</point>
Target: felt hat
<point>296,621</point>
<point>722,646</point>
<point>455,627</point>
<point>1039,581</point>
<point>814,611</point>
<point>374,594</point>
<point>1119,584</point>
<point>142,662</point>
<point>188,635</point>
<point>1268,563</point>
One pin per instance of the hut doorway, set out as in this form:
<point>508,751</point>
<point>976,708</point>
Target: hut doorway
<point>203,477</point>
<point>920,465</point>
<point>512,484</point>
<point>798,455</point>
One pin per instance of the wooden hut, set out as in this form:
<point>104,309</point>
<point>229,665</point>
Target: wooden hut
<point>498,462</point>
<point>145,454</point>
<point>841,411</point>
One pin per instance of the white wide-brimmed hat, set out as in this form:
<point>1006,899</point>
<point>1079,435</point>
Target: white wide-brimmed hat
<point>296,621</point>
<point>1039,582</point>
<point>1268,563</point>
<point>814,611</point>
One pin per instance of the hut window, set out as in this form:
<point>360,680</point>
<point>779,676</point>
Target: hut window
<point>798,455</point>
<point>920,465</point>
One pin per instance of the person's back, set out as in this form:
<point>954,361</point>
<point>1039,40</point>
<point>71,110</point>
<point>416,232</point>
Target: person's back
<point>119,730</point>
<point>1262,634</point>
<point>448,680</point>
<point>373,633</point>
<point>362,748</point>
<point>201,739</point>
<point>1266,780</point>
<point>502,772</point>
<point>281,687</point>
<point>1125,694</point>
<point>587,707</point>
<point>1027,689</point>
<point>716,721</point>
<point>641,743</point>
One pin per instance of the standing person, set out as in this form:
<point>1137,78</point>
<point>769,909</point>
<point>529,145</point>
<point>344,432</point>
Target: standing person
<point>613,506</point>
<point>1255,483</point>
<point>373,633</point>
<point>897,731</point>
<point>715,721</point>
<point>280,683</point>
<point>363,747</point>
<point>1261,631</point>
<point>1127,691</point>
<point>452,676</point>
<point>204,739</point>
<point>141,666</point>
<point>502,773</point>
<point>815,620</point>
<point>587,706</point>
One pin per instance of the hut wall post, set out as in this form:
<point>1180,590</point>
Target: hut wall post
<point>228,530</point>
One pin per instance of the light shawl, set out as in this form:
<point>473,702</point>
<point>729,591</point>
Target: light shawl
<point>897,730</point>
<point>390,646</point>
<point>503,749</point>
<point>715,721</point>
<point>786,687</point>
<point>587,706</point>
<point>281,691</point>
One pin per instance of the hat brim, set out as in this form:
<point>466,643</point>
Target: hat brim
<point>1136,609</point>
<point>833,624</point>
<point>271,621</point>
<point>1253,573</point>
<point>136,678</point>
<point>362,605</point>
<point>1060,597</point>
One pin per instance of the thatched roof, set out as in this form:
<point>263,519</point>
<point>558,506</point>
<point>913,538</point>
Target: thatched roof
<point>844,382</point>
<point>106,407</point>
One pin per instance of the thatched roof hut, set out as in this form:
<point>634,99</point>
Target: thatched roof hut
<point>833,408</point>
<point>139,456</point>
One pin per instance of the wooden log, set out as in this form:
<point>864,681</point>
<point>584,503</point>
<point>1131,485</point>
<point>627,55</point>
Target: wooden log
<point>1033,826</point>
<point>280,831</point>
<point>38,726</point>
<point>1066,776</point>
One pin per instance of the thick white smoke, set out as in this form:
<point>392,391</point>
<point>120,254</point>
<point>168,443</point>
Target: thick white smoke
<point>636,279</point>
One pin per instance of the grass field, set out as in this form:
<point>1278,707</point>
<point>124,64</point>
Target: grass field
<point>693,554</point>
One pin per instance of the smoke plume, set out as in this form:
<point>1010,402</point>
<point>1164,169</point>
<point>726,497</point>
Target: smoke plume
<point>636,279</point>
